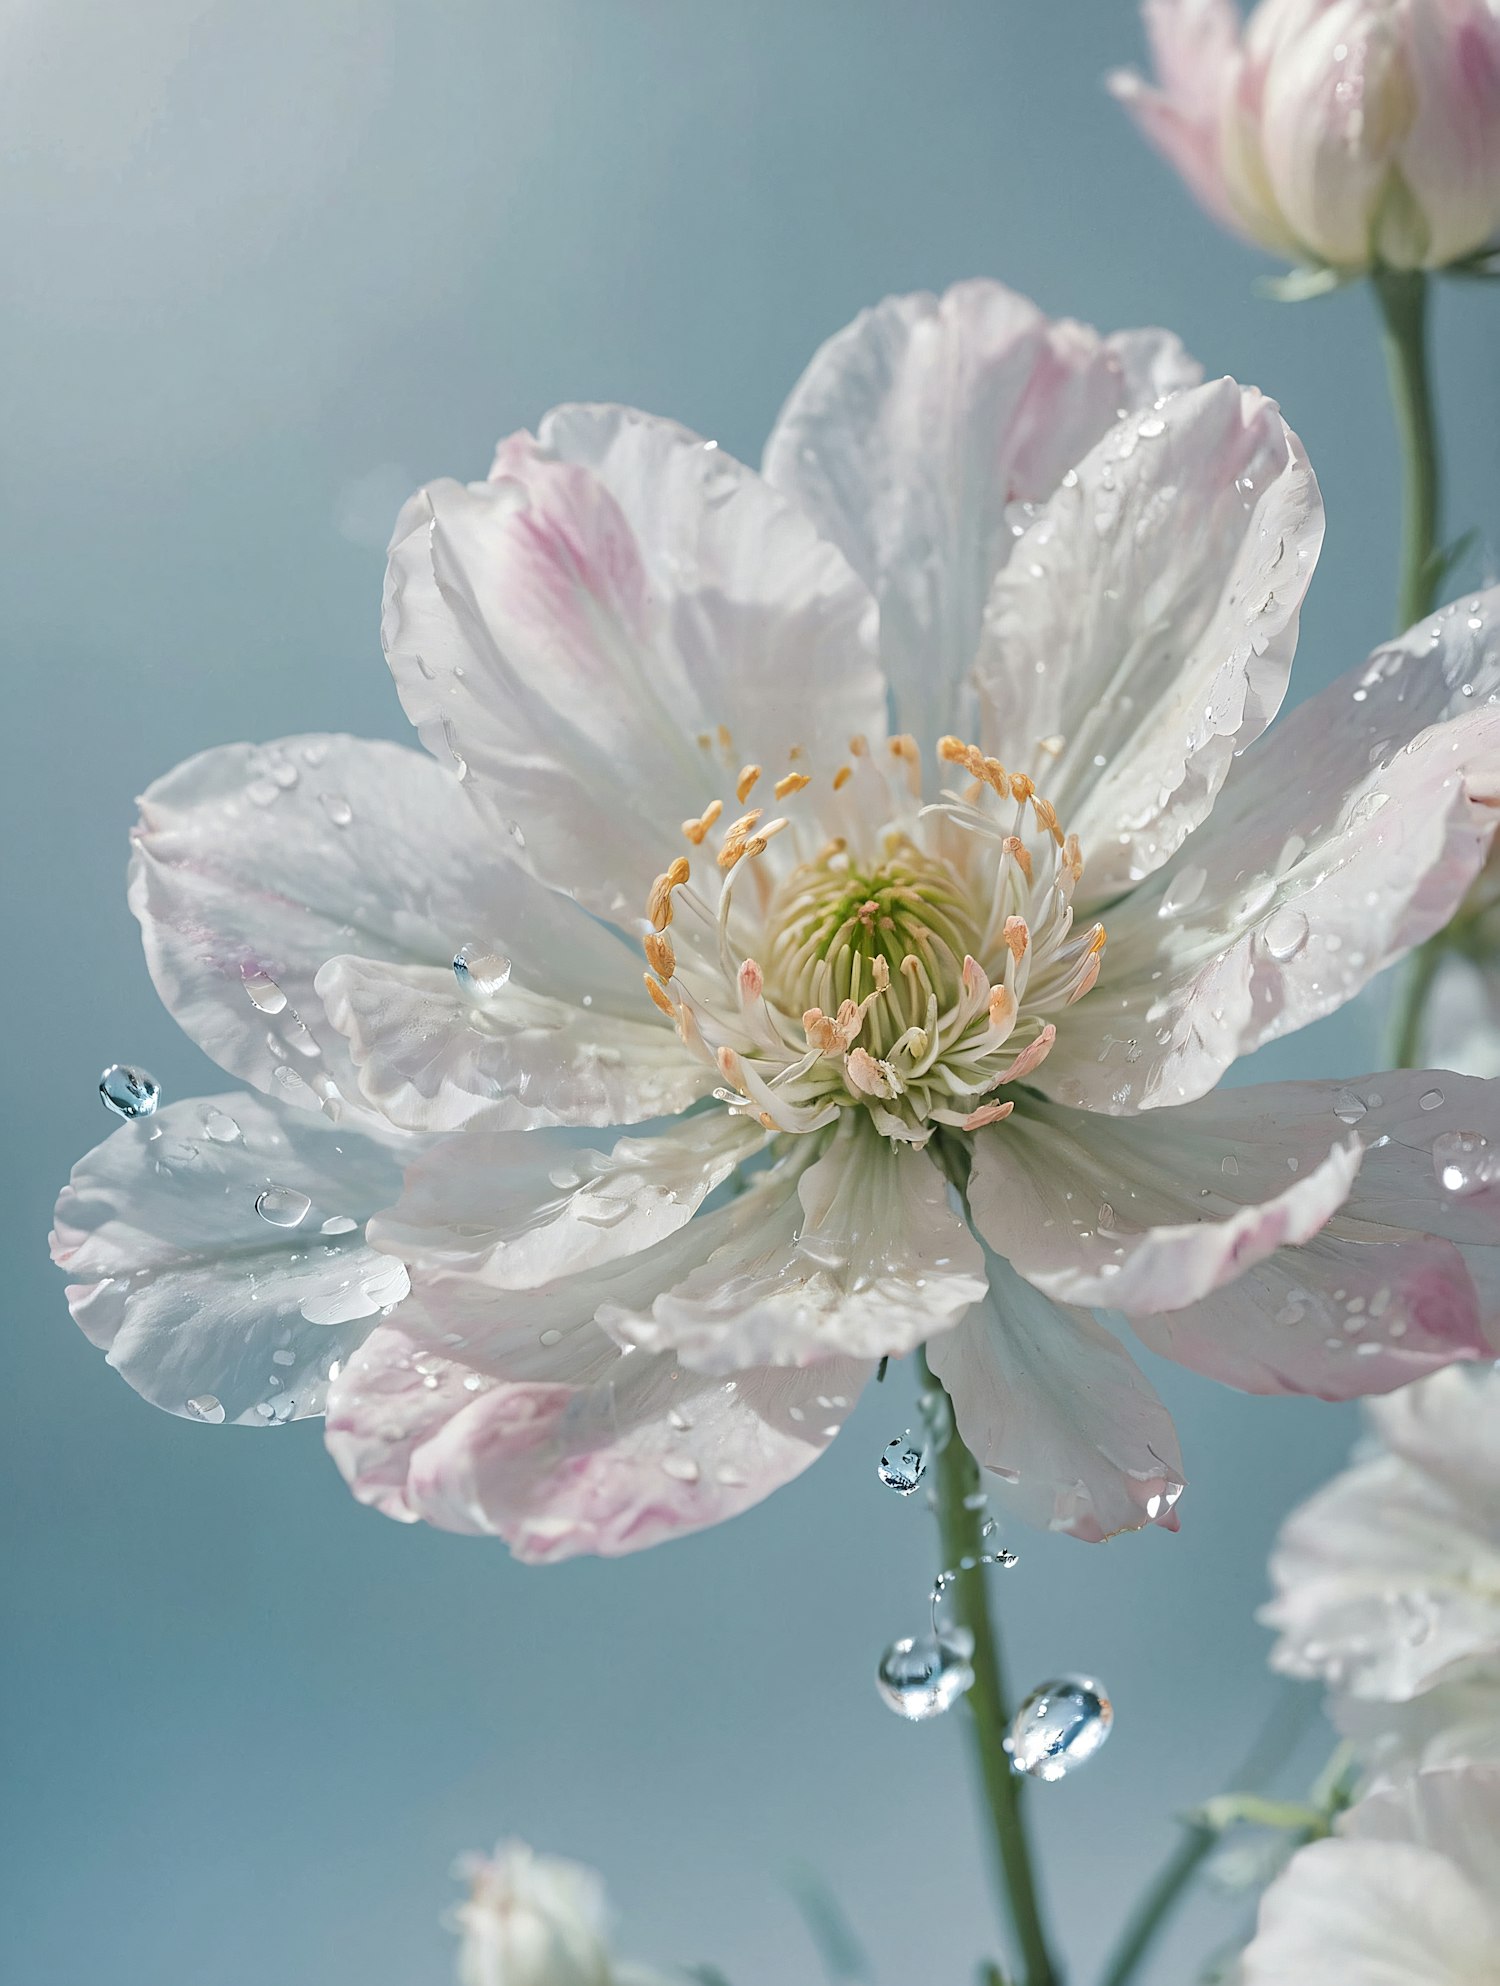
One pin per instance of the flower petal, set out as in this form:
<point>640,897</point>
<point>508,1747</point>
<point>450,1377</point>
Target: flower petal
<point>646,1453</point>
<point>1149,1213</point>
<point>868,1261</point>
<point>914,431</point>
<point>1370,1914</point>
<point>1335,1318</point>
<point>1194,44</point>
<point>518,1211</point>
<point>218,1255</point>
<point>1450,157</point>
<point>431,1057</point>
<point>1146,624</point>
<point>252,865</point>
<point>1051,1402</point>
<point>1346,837</point>
<point>576,631</point>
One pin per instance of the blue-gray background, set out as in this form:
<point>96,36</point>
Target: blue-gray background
<point>267,264</point>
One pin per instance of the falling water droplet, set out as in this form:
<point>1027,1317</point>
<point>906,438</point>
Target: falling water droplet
<point>282,1206</point>
<point>1462,1162</point>
<point>206,1407</point>
<point>129,1092</point>
<point>480,972</point>
<point>922,1675</point>
<point>1060,1725</point>
<point>902,1464</point>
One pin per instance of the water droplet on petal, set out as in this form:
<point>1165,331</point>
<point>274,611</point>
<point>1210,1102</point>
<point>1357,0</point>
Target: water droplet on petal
<point>282,1206</point>
<point>206,1407</point>
<point>1183,891</point>
<point>1059,1725</point>
<point>129,1092</point>
<point>480,972</point>
<point>1348,1106</point>
<point>681,1468</point>
<point>1463,1162</point>
<point>902,1464</point>
<point>1284,933</point>
<point>1430,1100</point>
<point>220,1126</point>
<point>263,990</point>
<point>337,808</point>
<point>922,1675</point>
<point>338,1224</point>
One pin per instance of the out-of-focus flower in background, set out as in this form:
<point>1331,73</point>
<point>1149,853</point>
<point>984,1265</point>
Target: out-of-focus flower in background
<point>1406,1890</point>
<point>1460,1023</point>
<point>1342,133</point>
<point>1387,1580</point>
<point>537,1920</point>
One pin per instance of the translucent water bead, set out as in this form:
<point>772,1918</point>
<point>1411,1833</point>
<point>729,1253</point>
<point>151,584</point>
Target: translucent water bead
<point>1061,1724</point>
<point>922,1675</point>
<point>902,1463</point>
<point>129,1092</point>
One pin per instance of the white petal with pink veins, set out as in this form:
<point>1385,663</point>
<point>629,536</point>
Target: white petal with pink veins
<point>1147,621</point>
<point>1194,44</point>
<point>1052,1403</point>
<point>574,633</point>
<point>432,1057</point>
<point>1334,1318</point>
<point>1148,1213</point>
<point>646,1452</point>
<point>252,865</point>
<point>1346,836</point>
<point>868,1260</point>
<point>914,433</point>
<point>518,1211</point>
<point>217,1255</point>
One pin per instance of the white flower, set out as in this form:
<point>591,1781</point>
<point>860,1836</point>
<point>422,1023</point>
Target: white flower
<point>1407,1893</point>
<point>1388,1579</point>
<point>1461,1021</point>
<point>864,754</point>
<point>1343,132</point>
<point>536,1920</point>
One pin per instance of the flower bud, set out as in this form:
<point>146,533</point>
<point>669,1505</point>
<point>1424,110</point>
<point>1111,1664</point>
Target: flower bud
<point>1340,132</point>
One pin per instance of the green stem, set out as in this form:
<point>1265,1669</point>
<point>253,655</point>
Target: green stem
<point>1411,1001</point>
<point>960,1523</point>
<point>1402,296</point>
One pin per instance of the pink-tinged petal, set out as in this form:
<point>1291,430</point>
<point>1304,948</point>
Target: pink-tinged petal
<point>1150,1213</point>
<point>867,1260</point>
<point>1450,158</point>
<point>647,1452</point>
<point>252,865</point>
<point>432,1057</point>
<point>216,1253</point>
<point>1194,46</point>
<point>1146,624</point>
<point>1370,1914</point>
<point>518,1211</point>
<point>607,629</point>
<point>1348,835</point>
<point>1055,1406</point>
<point>915,431</point>
<point>1335,1318</point>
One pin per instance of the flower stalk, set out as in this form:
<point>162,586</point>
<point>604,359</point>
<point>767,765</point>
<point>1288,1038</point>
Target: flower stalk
<point>1402,297</point>
<point>960,1523</point>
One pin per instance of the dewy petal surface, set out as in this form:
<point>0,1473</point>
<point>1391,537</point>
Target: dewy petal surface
<point>646,1452</point>
<point>868,1260</point>
<point>620,613</point>
<point>253,865</point>
<point>913,434</point>
<point>217,1255</point>
<point>1150,1213</point>
<point>1051,1402</point>
<point>1146,622</point>
<point>1348,835</point>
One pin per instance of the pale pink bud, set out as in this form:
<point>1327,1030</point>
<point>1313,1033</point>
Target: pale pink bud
<point>1339,132</point>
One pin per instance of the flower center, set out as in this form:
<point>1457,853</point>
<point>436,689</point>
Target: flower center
<point>869,951</point>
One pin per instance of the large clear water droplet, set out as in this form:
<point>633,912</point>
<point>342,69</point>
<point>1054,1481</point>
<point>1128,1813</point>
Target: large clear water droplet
<point>1284,934</point>
<point>1183,891</point>
<point>902,1464</point>
<point>220,1126</point>
<point>262,991</point>
<point>129,1092</point>
<point>206,1407</point>
<point>922,1675</point>
<point>1463,1162</point>
<point>1061,1724</point>
<point>480,972</point>
<point>1348,1106</point>
<point>282,1206</point>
